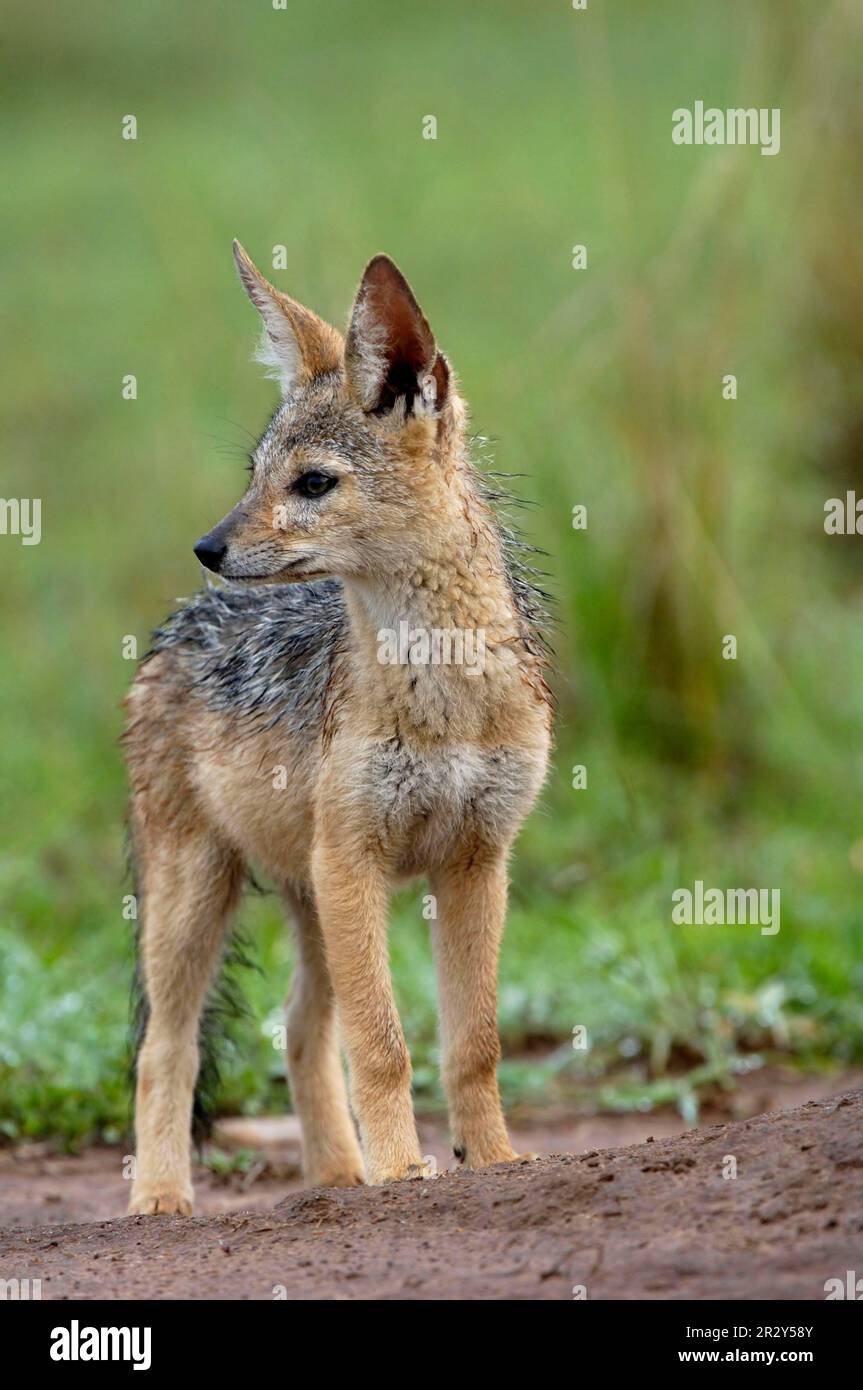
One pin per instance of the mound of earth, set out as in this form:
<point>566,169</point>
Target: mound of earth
<point>765,1208</point>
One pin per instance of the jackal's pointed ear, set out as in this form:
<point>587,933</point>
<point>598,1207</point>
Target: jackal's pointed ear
<point>390,351</point>
<point>297,346</point>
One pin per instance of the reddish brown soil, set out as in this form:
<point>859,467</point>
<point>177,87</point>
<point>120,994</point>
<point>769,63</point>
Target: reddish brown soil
<point>653,1220</point>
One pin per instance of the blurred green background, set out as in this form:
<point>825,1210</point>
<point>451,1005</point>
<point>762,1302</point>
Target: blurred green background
<point>601,386</point>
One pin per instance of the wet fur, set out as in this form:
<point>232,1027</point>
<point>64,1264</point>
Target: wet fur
<point>264,731</point>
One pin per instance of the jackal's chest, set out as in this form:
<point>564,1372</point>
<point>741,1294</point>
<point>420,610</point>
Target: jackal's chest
<point>422,804</point>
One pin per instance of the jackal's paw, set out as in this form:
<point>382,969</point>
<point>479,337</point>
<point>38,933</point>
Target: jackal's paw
<point>160,1201</point>
<point>483,1156</point>
<point>409,1172</point>
<point>336,1177</point>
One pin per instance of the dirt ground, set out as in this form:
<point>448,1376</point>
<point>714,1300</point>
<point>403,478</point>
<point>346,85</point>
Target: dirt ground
<point>654,1220</point>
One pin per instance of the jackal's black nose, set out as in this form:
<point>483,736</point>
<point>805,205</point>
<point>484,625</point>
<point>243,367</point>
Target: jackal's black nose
<point>211,552</point>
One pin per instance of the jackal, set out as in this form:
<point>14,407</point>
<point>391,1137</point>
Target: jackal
<point>265,729</point>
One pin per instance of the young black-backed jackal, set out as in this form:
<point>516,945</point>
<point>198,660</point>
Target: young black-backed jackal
<point>310,719</point>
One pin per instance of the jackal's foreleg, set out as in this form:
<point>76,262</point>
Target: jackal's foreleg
<point>352,901</point>
<point>471,910</point>
<point>190,884</point>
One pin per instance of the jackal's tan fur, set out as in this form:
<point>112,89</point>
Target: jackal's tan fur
<point>405,769</point>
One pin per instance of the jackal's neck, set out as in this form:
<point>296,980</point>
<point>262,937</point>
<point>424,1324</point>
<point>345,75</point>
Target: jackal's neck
<point>460,588</point>
<point>436,641</point>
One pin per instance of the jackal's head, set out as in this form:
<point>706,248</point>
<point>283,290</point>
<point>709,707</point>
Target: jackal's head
<point>355,464</point>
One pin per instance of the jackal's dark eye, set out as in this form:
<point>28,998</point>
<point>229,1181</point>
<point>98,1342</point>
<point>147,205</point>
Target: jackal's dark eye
<point>314,484</point>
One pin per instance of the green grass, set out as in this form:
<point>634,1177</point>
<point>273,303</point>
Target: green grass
<point>705,517</point>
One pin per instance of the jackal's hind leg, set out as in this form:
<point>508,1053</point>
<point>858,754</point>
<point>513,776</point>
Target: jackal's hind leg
<point>331,1151</point>
<point>190,884</point>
